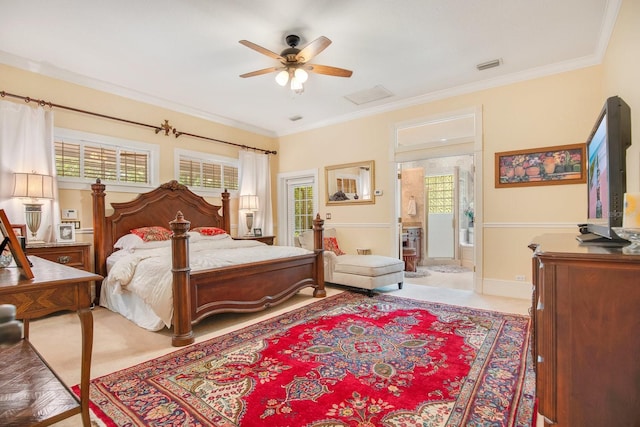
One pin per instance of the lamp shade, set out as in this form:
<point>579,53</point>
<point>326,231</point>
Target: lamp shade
<point>33,185</point>
<point>248,202</point>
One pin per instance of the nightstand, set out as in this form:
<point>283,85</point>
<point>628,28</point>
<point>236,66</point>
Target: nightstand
<point>264,239</point>
<point>70,254</point>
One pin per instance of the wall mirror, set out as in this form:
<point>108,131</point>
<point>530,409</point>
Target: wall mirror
<point>351,183</point>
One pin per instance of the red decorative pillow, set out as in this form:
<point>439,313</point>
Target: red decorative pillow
<point>331,244</point>
<point>152,234</point>
<point>209,231</point>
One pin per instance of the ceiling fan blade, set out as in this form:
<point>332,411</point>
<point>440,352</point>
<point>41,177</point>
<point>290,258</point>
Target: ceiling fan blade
<point>260,72</point>
<point>330,71</point>
<point>313,48</point>
<point>261,49</point>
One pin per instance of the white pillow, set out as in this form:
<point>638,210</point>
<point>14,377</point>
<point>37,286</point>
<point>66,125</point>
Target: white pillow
<point>216,237</point>
<point>131,242</point>
<point>194,236</point>
<point>128,242</point>
<point>153,245</point>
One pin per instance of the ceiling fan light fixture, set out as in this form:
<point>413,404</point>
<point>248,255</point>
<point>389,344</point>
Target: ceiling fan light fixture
<point>296,85</point>
<point>282,77</point>
<point>295,62</point>
<point>301,75</point>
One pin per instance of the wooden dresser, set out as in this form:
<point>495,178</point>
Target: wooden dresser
<point>586,323</point>
<point>70,254</point>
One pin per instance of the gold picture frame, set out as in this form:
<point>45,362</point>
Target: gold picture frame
<point>562,164</point>
<point>19,256</point>
<point>351,183</point>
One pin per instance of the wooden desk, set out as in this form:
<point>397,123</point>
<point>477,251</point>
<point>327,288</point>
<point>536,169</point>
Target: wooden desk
<point>264,239</point>
<point>31,394</point>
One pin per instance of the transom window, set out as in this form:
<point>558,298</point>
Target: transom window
<point>83,157</point>
<point>202,171</point>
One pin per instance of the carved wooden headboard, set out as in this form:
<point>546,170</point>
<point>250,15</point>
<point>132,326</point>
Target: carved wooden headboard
<point>157,207</point>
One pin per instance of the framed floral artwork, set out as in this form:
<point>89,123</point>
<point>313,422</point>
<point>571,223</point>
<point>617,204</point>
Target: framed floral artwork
<point>563,164</point>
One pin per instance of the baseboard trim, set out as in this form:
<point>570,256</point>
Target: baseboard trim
<point>507,288</point>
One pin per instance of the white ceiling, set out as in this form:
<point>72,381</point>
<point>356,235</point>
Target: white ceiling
<point>185,55</point>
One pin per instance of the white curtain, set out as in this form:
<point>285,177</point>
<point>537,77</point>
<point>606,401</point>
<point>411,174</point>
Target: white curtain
<point>255,178</point>
<point>26,145</point>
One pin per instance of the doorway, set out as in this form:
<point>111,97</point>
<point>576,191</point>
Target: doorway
<point>298,197</point>
<point>426,150</point>
<point>436,205</point>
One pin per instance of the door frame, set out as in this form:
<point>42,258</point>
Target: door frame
<point>471,145</point>
<point>283,180</point>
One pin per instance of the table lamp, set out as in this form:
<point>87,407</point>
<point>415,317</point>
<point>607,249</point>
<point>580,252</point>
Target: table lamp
<point>249,204</point>
<point>33,186</point>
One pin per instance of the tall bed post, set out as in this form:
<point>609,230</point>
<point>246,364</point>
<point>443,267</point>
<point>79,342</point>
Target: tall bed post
<point>182,330</point>
<point>318,245</point>
<point>226,217</point>
<point>99,253</point>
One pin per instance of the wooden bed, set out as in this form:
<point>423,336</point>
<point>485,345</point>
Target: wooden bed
<point>199,294</point>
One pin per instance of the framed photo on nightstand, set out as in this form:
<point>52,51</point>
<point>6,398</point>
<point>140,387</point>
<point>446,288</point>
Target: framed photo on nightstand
<point>257,232</point>
<point>65,233</point>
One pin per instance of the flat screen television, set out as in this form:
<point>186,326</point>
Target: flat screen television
<point>606,173</point>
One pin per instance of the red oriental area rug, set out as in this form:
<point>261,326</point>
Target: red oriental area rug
<point>346,360</point>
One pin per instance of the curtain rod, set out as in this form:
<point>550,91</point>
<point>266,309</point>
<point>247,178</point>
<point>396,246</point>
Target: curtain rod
<point>163,127</point>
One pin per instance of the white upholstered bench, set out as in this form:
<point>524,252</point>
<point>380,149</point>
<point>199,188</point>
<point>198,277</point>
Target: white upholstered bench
<point>358,271</point>
<point>367,271</point>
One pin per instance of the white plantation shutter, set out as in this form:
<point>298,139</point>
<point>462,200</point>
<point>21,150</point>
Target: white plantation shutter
<point>83,157</point>
<point>197,171</point>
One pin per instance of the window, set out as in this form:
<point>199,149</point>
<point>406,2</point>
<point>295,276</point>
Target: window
<point>440,190</point>
<point>206,172</point>
<point>303,208</point>
<point>82,157</point>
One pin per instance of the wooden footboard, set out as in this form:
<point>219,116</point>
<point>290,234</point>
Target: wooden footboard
<point>241,288</point>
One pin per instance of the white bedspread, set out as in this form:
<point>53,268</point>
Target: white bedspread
<point>147,273</point>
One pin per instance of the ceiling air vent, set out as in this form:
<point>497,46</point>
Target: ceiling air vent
<point>369,95</point>
<point>489,64</point>
<point>295,118</point>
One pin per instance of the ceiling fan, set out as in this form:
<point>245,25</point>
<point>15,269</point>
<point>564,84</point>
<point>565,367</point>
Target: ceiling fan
<point>295,62</point>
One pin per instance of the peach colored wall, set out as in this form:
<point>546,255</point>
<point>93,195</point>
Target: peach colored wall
<point>24,83</point>
<point>554,110</point>
<point>620,77</point>
<point>413,187</point>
